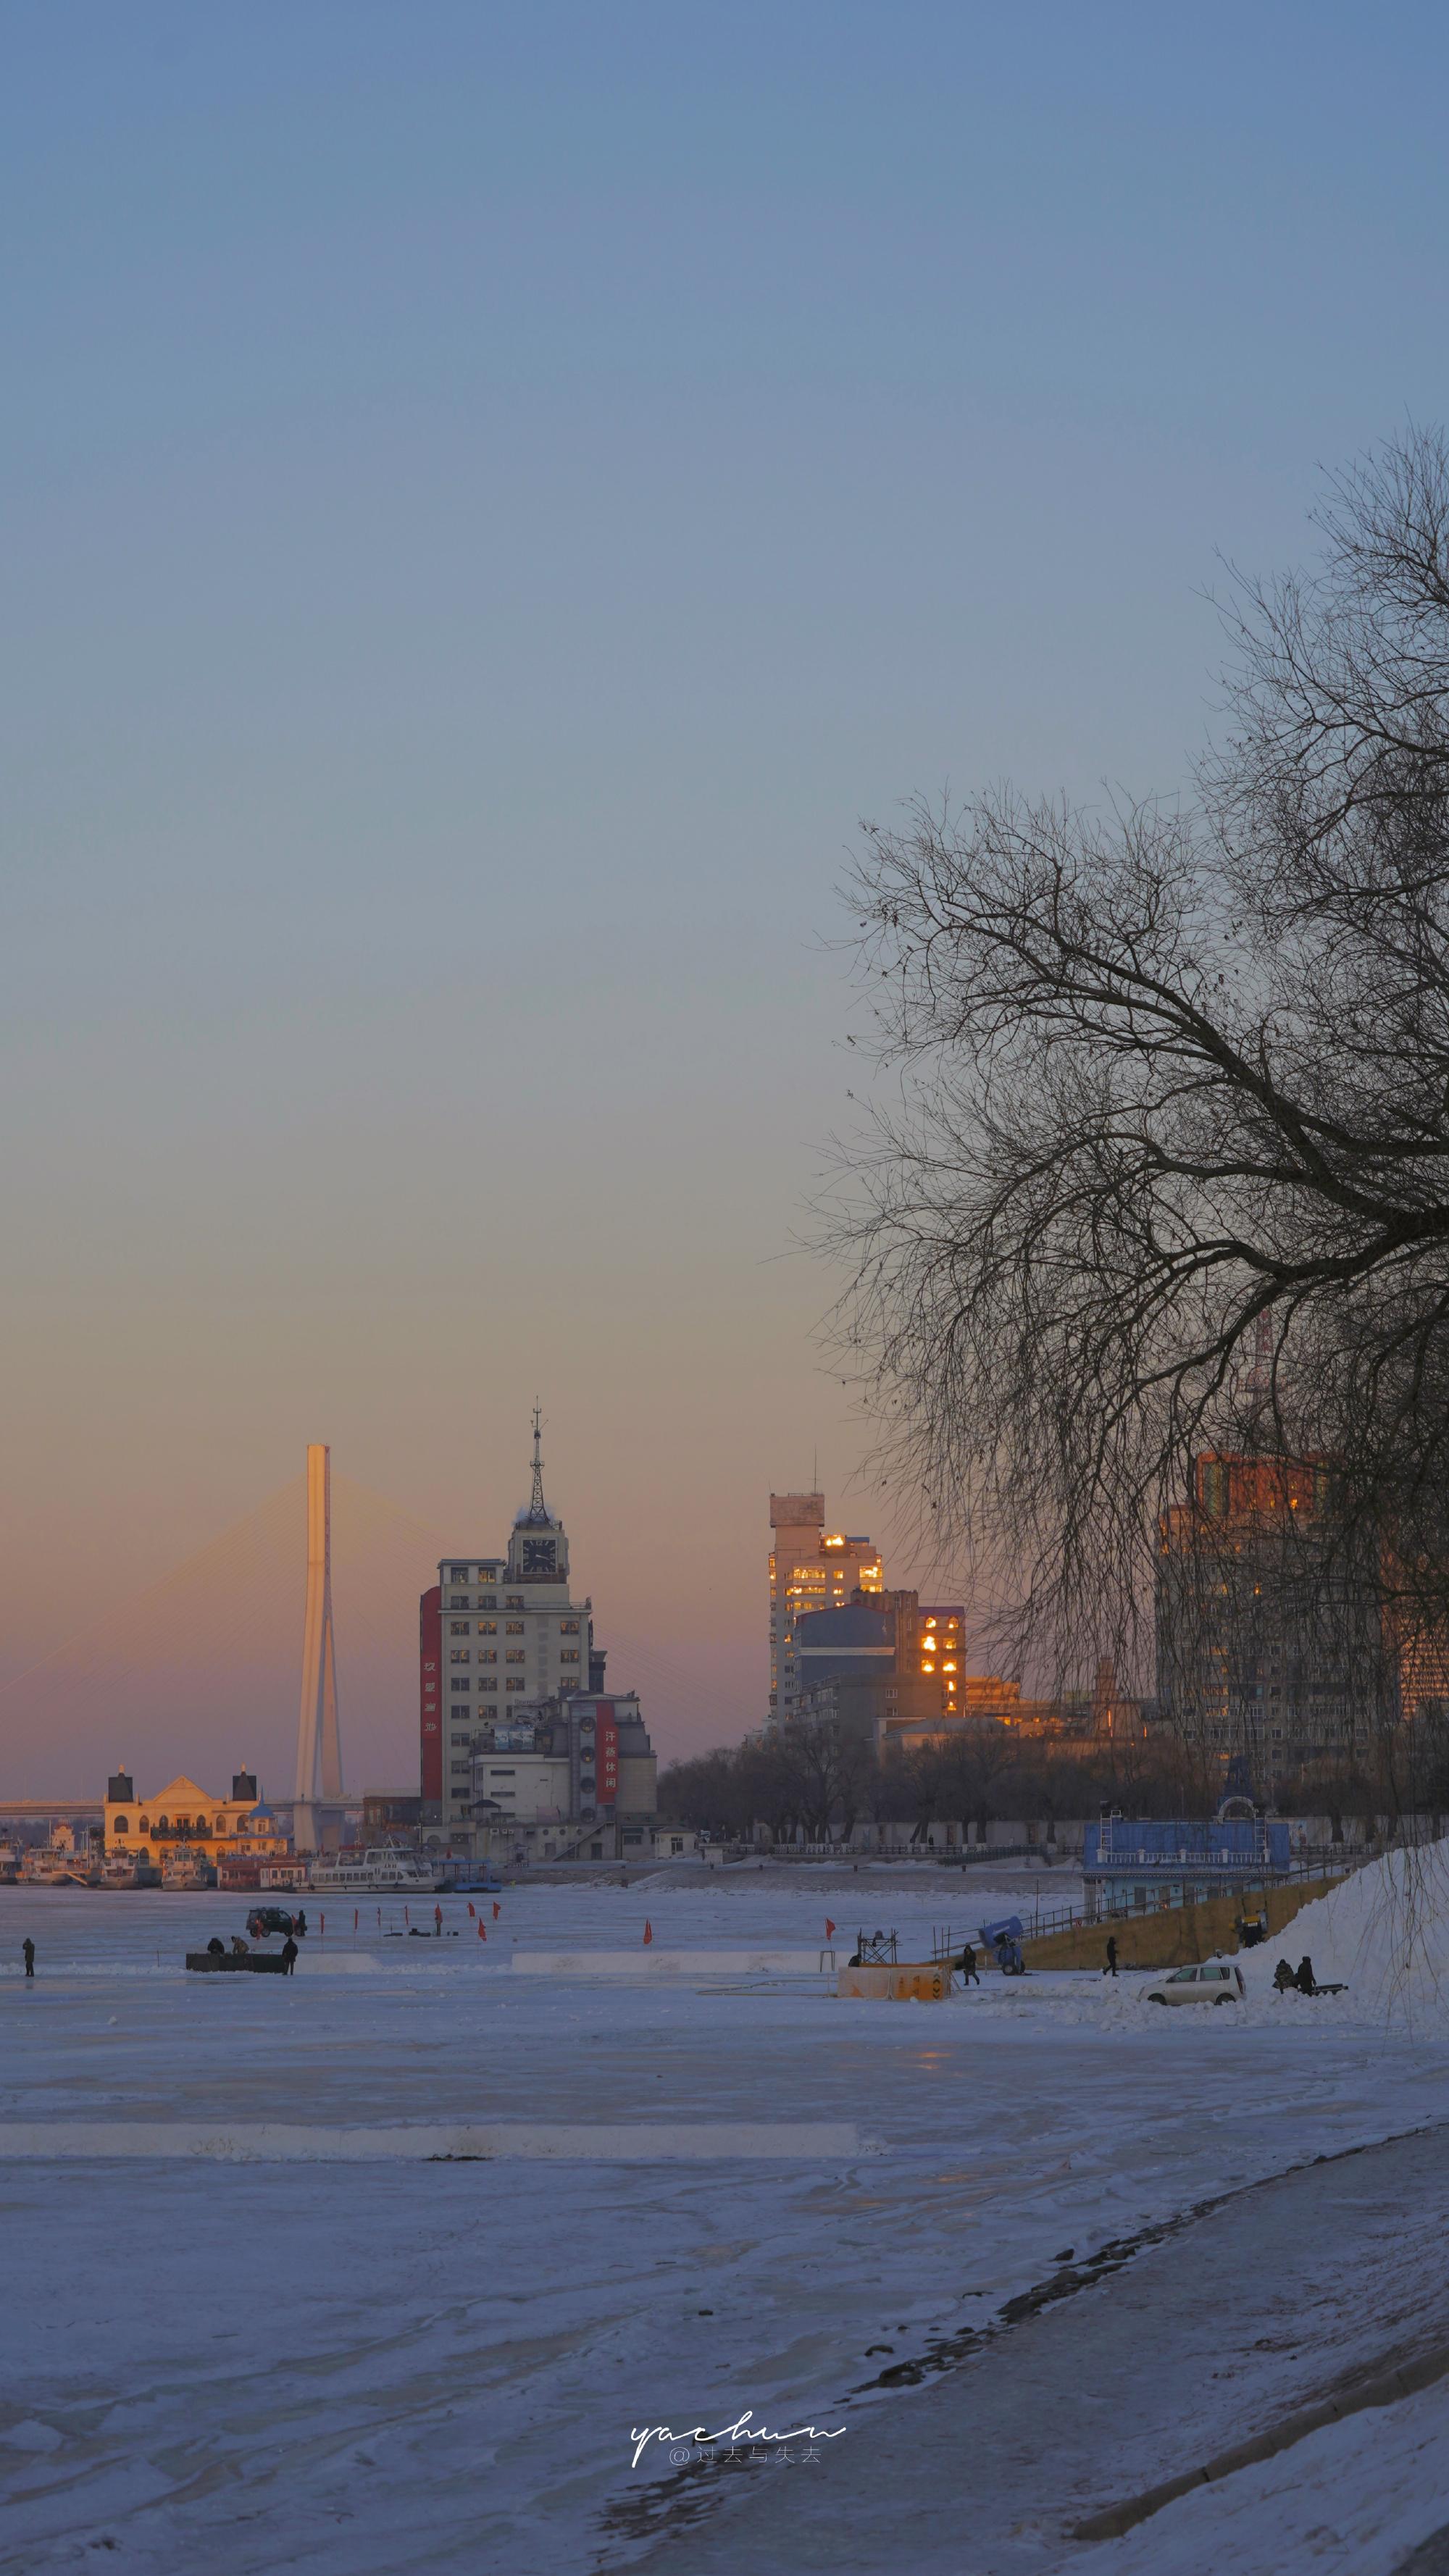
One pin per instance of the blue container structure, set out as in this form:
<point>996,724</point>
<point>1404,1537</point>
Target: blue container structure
<point>1132,1866</point>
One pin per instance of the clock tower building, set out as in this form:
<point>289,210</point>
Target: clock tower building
<point>500,1636</point>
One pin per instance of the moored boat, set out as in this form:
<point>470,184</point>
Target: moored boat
<point>380,1871</point>
<point>65,1861</point>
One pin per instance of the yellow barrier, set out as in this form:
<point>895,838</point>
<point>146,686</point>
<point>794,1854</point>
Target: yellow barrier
<point>903,1982</point>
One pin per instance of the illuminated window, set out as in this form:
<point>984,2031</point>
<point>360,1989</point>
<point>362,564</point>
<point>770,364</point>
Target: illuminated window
<point>487,1654</point>
<point>460,1655</point>
<point>459,1628</point>
<point>513,1627</point>
<point>514,1655</point>
<point>487,1627</point>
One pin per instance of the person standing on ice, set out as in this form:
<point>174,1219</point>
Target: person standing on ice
<point>1110,1969</point>
<point>968,1967</point>
<point>437,1922</point>
<point>1305,1980</point>
<point>289,1957</point>
<point>28,1947</point>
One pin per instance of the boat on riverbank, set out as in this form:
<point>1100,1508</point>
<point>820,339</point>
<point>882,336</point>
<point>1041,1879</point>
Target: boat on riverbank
<point>187,1869</point>
<point>65,1861</point>
<point>379,1871</point>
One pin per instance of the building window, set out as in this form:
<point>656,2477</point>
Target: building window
<point>487,1654</point>
<point>461,1682</point>
<point>457,1601</point>
<point>121,1826</point>
<point>460,1654</point>
<point>515,1655</point>
<point>459,1628</point>
<point>460,1766</point>
<point>513,1627</point>
<point>509,1774</point>
<point>568,1654</point>
<point>568,1627</point>
<point>488,1683</point>
<point>516,1682</point>
<point>487,1627</point>
<point>513,1601</point>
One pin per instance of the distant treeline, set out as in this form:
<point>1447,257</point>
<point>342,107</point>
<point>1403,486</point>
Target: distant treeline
<point>821,1780</point>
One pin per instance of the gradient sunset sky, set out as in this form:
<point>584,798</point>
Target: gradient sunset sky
<point>493,495</point>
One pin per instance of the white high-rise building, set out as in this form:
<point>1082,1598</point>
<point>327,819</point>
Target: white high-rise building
<point>810,1569</point>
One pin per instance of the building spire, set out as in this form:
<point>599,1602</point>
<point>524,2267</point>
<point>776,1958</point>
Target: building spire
<point>538,1508</point>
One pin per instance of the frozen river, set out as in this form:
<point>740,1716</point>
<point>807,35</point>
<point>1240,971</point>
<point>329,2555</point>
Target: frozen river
<point>286,2361</point>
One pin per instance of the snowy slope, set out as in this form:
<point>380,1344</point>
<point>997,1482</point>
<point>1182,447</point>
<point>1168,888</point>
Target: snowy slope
<point>1384,1931</point>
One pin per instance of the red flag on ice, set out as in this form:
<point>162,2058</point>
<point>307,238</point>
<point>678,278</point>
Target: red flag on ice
<point>648,1931</point>
<point>829,1929</point>
<point>482,1932</point>
<point>472,1908</point>
<point>495,1913</point>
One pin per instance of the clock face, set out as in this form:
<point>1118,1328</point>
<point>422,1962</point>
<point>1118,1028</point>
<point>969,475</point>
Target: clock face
<point>538,1556</point>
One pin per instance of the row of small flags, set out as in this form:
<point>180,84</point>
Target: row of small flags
<point>407,1918</point>
<point>649,1928</point>
<point>482,1932</point>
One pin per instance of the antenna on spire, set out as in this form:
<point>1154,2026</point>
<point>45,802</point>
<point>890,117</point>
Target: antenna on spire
<point>538,1508</point>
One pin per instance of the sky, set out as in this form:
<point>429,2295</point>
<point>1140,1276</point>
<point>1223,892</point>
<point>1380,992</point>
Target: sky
<point>493,496</point>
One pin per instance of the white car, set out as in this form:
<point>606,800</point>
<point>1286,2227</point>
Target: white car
<point>1214,1984</point>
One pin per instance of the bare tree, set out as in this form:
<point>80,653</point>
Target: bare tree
<point>1160,1073</point>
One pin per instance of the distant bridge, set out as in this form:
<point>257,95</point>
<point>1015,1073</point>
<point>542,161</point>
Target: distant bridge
<point>84,1810</point>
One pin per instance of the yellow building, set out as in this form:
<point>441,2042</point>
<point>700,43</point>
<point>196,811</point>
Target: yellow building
<point>184,1813</point>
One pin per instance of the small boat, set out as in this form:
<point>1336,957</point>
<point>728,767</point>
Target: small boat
<point>62,1862</point>
<point>381,1871</point>
<point>130,1869</point>
<point>187,1869</point>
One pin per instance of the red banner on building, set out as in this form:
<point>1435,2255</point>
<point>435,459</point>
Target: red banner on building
<point>430,1668</point>
<point>607,1741</point>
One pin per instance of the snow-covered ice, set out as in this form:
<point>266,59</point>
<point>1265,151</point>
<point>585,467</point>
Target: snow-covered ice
<point>352,2364</point>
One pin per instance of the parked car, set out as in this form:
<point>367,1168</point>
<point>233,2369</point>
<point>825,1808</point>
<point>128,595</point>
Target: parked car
<point>1213,1984</point>
<point>269,1918</point>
